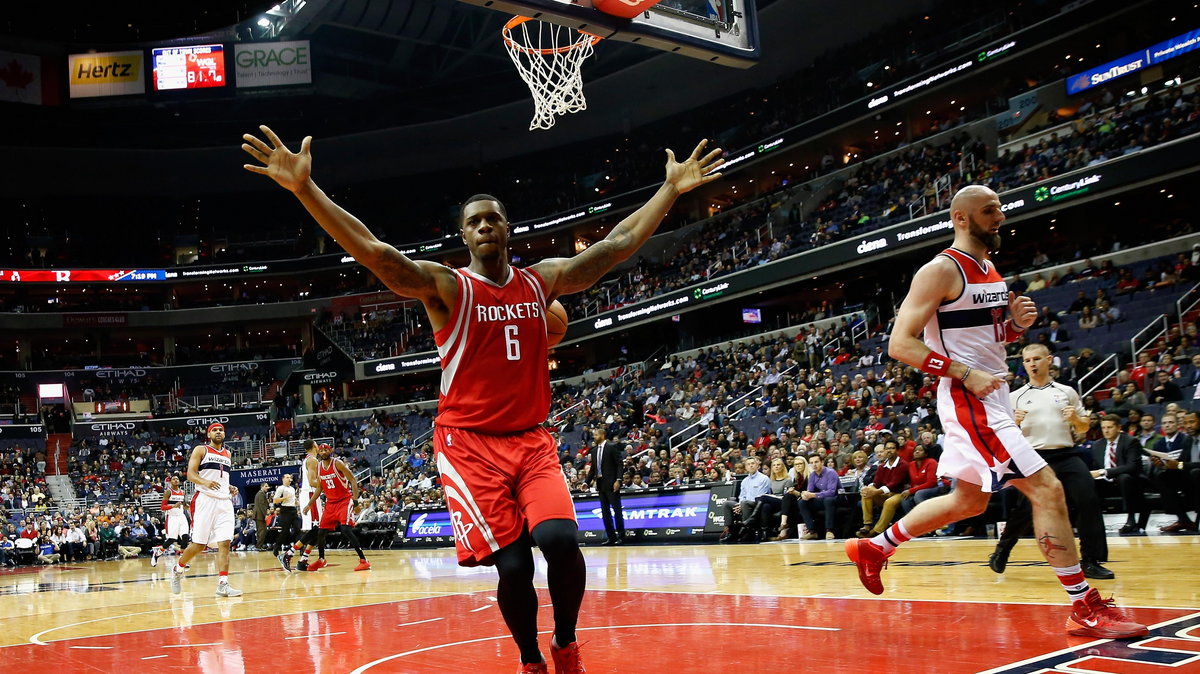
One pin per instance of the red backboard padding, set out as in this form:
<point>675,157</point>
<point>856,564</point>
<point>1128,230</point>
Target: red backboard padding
<point>626,9</point>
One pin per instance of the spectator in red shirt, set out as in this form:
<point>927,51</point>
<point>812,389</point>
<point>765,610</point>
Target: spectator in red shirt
<point>923,482</point>
<point>885,489</point>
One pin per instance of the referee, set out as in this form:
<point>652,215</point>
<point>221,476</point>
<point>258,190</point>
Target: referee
<point>1048,413</point>
<point>289,518</point>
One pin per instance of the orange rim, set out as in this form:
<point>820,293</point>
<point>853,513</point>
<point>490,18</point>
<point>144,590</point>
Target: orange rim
<point>518,20</point>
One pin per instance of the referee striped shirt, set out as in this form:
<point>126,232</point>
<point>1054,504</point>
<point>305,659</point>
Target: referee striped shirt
<point>1044,425</point>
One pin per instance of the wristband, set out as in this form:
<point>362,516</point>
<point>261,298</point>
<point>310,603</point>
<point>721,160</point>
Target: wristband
<point>936,363</point>
<point>1012,331</point>
<point>966,373</point>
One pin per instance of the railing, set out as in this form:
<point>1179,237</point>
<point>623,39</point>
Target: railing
<point>1161,323</point>
<point>1104,370</point>
<point>291,449</point>
<point>390,460</point>
<point>758,390</point>
<point>1192,297</point>
<point>671,440</point>
<point>560,413</point>
<point>218,401</point>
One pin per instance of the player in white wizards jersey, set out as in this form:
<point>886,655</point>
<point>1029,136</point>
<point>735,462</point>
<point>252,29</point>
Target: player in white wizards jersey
<point>967,314</point>
<point>212,509</point>
<point>310,513</point>
<point>174,506</point>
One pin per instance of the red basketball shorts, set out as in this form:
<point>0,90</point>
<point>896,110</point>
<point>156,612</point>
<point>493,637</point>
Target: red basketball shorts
<point>335,513</point>
<point>499,486</point>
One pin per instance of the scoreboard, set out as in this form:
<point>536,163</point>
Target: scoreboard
<point>190,67</point>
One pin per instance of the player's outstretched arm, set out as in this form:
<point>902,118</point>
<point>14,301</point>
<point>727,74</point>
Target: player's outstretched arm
<point>573,274</point>
<point>934,283</point>
<point>293,171</point>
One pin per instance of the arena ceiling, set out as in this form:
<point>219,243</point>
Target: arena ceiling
<point>377,63</point>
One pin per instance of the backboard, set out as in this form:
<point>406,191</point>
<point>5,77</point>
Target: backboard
<point>718,31</point>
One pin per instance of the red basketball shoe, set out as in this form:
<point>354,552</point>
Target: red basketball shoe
<point>363,565</point>
<point>319,564</point>
<point>870,560</point>
<point>1094,616</point>
<point>534,668</point>
<point>566,659</point>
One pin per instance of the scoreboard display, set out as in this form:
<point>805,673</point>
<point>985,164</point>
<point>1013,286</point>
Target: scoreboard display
<point>190,67</point>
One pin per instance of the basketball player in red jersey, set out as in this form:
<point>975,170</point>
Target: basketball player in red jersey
<point>499,468</point>
<point>964,308</point>
<point>336,481</point>
<point>212,509</point>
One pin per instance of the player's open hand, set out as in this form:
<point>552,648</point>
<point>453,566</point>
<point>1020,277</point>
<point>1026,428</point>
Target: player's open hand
<point>982,383</point>
<point>1021,310</point>
<point>290,169</point>
<point>695,170</point>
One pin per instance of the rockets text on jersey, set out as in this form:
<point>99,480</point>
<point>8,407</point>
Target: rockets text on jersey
<point>333,483</point>
<point>493,354</point>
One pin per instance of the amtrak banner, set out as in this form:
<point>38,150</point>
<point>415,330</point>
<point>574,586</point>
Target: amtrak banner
<point>658,514</point>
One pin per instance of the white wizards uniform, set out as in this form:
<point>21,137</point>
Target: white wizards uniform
<point>175,506</point>
<point>311,515</point>
<point>983,444</point>
<point>212,509</point>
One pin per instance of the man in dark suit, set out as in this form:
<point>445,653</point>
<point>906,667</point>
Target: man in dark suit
<point>1057,333</point>
<point>1119,461</point>
<point>1170,473</point>
<point>608,462</point>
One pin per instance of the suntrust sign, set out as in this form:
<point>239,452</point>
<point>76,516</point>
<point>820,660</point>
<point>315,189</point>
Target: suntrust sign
<point>273,64</point>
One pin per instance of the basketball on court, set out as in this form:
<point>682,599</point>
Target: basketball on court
<point>556,323</point>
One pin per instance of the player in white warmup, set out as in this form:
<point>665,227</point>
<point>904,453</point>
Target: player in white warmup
<point>174,507</point>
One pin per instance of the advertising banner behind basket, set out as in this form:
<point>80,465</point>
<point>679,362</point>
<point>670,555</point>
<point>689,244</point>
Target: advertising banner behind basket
<point>273,64</point>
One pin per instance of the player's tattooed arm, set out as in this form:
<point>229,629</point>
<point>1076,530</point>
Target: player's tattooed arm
<point>1050,546</point>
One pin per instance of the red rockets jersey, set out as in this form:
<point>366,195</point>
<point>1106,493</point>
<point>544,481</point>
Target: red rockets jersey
<point>333,484</point>
<point>493,351</point>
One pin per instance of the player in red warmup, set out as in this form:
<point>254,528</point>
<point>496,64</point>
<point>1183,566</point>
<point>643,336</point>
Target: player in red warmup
<point>336,481</point>
<point>964,308</point>
<point>499,468</point>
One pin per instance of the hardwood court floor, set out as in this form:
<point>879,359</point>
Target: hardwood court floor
<point>690,609</point>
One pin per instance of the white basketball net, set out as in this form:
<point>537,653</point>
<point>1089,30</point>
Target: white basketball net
<point>549,57</point>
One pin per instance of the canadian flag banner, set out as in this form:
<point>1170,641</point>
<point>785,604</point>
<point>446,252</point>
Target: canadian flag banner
<point>20,78</point>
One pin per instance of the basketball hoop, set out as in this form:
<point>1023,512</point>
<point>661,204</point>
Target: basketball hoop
<point>549,57</point>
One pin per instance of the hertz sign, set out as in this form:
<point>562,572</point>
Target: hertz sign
<point>106,74</point>
<point>273,64</point>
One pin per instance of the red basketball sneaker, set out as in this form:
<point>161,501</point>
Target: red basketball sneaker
<point>1094,616</point>
<point>319,564</point>
<point>870,560</point>
<point>566,659</point>
<point>363,565</point>
<point>534,668</point>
